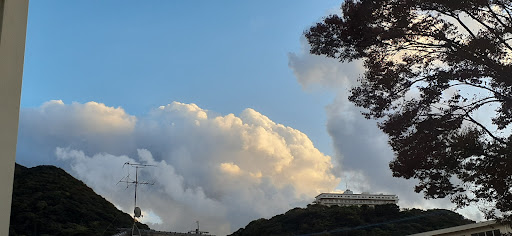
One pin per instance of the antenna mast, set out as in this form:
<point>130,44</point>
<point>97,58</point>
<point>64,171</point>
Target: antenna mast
<point>197,231</point>
<point>136,211</point>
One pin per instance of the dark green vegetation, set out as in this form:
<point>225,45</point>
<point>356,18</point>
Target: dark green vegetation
<point>438,78</point>
<point>48,201</point>
<point>379,221</point>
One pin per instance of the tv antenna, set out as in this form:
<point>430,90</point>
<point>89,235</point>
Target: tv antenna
<point>137,212</point>
<point>346,182</point>
<point>197,231</point>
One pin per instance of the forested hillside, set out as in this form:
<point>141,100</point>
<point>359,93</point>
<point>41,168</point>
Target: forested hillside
<point>48,201</point>
<point>379,221</point>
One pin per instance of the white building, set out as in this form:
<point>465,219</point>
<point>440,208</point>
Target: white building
<point>348,198</point>
<point>487,228</point>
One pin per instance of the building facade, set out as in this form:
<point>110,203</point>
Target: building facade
<point>348,198</point>
<point>487,228</point>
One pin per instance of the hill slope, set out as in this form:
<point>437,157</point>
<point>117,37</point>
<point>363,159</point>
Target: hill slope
<point>47,200</point>
<point>379,221</point>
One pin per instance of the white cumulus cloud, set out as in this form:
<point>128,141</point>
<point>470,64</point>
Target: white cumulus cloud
<point>221,170</point>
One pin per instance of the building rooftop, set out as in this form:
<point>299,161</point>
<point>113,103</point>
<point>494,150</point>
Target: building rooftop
<point>349,192</point>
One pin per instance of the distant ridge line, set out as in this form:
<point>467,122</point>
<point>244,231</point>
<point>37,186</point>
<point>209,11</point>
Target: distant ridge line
<point>373,225</point>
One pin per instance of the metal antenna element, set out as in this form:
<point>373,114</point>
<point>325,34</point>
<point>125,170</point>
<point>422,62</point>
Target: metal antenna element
<point>346,182</point>
<point>136,211</point>
<point>135,182</point>
<point>197,231</point>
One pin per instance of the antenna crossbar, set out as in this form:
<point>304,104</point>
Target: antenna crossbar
<point>135,182</point>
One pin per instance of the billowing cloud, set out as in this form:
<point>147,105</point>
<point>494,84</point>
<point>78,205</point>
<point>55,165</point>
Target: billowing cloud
<point>221,170</point>
<point>362,153</point>
<point>91,126</point>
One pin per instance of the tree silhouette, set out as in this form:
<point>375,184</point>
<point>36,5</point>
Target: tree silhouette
<point>438,79</point>
<point>353,220</point>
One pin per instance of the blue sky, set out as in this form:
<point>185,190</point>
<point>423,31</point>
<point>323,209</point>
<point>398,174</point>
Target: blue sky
<point>224,57</point>
<point>223,97</point>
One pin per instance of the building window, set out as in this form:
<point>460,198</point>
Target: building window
<point>488,233</point>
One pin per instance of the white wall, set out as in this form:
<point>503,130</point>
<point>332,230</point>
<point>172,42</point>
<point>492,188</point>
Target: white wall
<point>12,50</point>
<point>467,230</point>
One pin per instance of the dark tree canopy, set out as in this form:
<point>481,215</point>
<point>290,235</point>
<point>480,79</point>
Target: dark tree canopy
<point>48,201</point>
<point>438,79</point>
<point>380,220</point>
